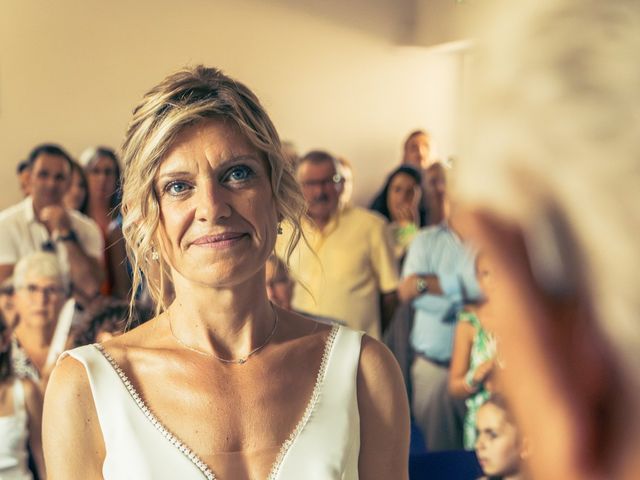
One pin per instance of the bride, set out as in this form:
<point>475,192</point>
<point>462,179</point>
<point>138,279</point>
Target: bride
<point>221,383</point>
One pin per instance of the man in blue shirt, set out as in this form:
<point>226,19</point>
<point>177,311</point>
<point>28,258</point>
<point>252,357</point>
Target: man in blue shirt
<point>438,276</point>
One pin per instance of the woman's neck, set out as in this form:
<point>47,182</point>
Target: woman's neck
<point>35,342</point>
<point>227,322</point>
<point>100,204</point>
<point>101,214</point>
<point>36,338</point>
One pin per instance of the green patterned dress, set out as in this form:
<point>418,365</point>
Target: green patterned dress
<point>482,349</point>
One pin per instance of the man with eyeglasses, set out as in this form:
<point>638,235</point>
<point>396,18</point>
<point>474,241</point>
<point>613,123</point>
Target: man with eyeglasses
<point>346,270</point>
<point>41,223</point>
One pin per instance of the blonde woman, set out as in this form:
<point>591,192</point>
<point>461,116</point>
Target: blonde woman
<point>221,383</point>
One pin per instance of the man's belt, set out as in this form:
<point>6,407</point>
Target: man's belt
<point>440,363</point>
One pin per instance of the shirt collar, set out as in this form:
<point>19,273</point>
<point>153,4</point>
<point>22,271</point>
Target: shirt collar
<point>331,225</point>
<point>29,213</point>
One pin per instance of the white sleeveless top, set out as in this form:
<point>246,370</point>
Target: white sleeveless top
<point>14,434</point>
<point>324,445</point>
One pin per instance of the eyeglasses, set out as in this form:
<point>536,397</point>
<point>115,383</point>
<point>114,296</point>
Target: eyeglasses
<point>50,291</point>
<point>325,182</point>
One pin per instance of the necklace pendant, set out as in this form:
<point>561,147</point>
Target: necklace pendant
<point>241,361</point>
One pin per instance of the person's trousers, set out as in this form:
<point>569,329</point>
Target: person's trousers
<point>437,413</point>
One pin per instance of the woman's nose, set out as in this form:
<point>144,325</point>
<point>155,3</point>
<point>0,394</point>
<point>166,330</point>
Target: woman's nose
<point>213,202</point>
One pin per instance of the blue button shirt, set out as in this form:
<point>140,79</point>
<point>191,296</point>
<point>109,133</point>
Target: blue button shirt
<point>437,250</point>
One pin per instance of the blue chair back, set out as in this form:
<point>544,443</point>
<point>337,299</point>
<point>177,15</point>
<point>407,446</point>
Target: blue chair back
<point>448,465</point>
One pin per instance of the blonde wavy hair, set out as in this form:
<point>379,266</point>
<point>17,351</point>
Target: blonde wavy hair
<point>183,99</point>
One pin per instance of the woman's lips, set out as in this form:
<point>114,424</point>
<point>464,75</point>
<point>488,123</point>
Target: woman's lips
<point>221,240</point>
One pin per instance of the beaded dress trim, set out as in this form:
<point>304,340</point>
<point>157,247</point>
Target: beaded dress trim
<point>187,452</point>
<point>315,395</point>
<point>171,438</point>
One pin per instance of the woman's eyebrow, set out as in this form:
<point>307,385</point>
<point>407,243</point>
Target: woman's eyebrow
<point>174,174</point>
<point>165,178</point>
<point>238,158</point>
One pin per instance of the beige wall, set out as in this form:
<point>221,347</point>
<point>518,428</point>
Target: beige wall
<point>438,22</point>
<point>331,77</point>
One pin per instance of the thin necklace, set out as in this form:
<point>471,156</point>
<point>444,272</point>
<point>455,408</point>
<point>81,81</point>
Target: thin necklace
<point>238,361</point>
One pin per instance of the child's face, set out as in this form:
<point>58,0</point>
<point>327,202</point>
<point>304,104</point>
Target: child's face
<point>279,286</point>
<point>497,445</point>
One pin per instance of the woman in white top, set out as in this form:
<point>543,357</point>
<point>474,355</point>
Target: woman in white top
<point>221,383</point>
<point>20,417</point>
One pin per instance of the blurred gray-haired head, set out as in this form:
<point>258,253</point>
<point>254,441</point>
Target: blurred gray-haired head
<point>38,265</point>
<point>555,138</point>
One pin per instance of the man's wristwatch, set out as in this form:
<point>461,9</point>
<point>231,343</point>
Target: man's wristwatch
<point>421,285</point>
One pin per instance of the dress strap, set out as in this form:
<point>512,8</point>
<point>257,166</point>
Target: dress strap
<point>18,396</point>
<point>61,333</point>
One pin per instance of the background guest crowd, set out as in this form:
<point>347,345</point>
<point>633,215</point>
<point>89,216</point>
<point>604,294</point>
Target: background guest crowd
<point>432,280</point>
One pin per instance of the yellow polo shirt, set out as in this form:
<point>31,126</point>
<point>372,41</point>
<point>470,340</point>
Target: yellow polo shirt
<point>345,267</point>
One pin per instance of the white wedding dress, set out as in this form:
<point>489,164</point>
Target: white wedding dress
<point>324,445</point>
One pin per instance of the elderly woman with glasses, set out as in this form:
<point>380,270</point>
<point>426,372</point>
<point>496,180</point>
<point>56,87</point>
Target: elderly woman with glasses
<point>40,294</point>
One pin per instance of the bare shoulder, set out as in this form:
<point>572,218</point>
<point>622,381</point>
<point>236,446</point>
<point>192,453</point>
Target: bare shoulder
<point>72,438</point>
<point>297,326</point>
<point>465,329</point>
<point>147,335</point>
<point>375,353</point>
<point>384,413</point>
<point>68,385</point>
<point>138,336</point>
<point>379,373</point>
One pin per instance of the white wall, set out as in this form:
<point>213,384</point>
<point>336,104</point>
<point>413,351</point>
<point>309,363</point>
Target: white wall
<point>71,72</point>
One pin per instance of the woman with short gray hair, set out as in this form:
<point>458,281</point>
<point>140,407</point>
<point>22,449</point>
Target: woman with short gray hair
<point>40,293</point>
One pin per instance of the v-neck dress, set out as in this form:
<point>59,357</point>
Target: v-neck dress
<point>324,444</point>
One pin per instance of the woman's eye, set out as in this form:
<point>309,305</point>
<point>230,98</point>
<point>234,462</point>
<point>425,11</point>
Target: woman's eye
<point>239,173</point>
<point>176,188</point>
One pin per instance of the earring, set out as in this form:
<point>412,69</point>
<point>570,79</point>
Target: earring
<point>154,254</point>
<point>279,229</point>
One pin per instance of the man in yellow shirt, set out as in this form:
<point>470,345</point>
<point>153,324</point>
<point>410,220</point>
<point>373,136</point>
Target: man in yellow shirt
<point>346,270</point>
